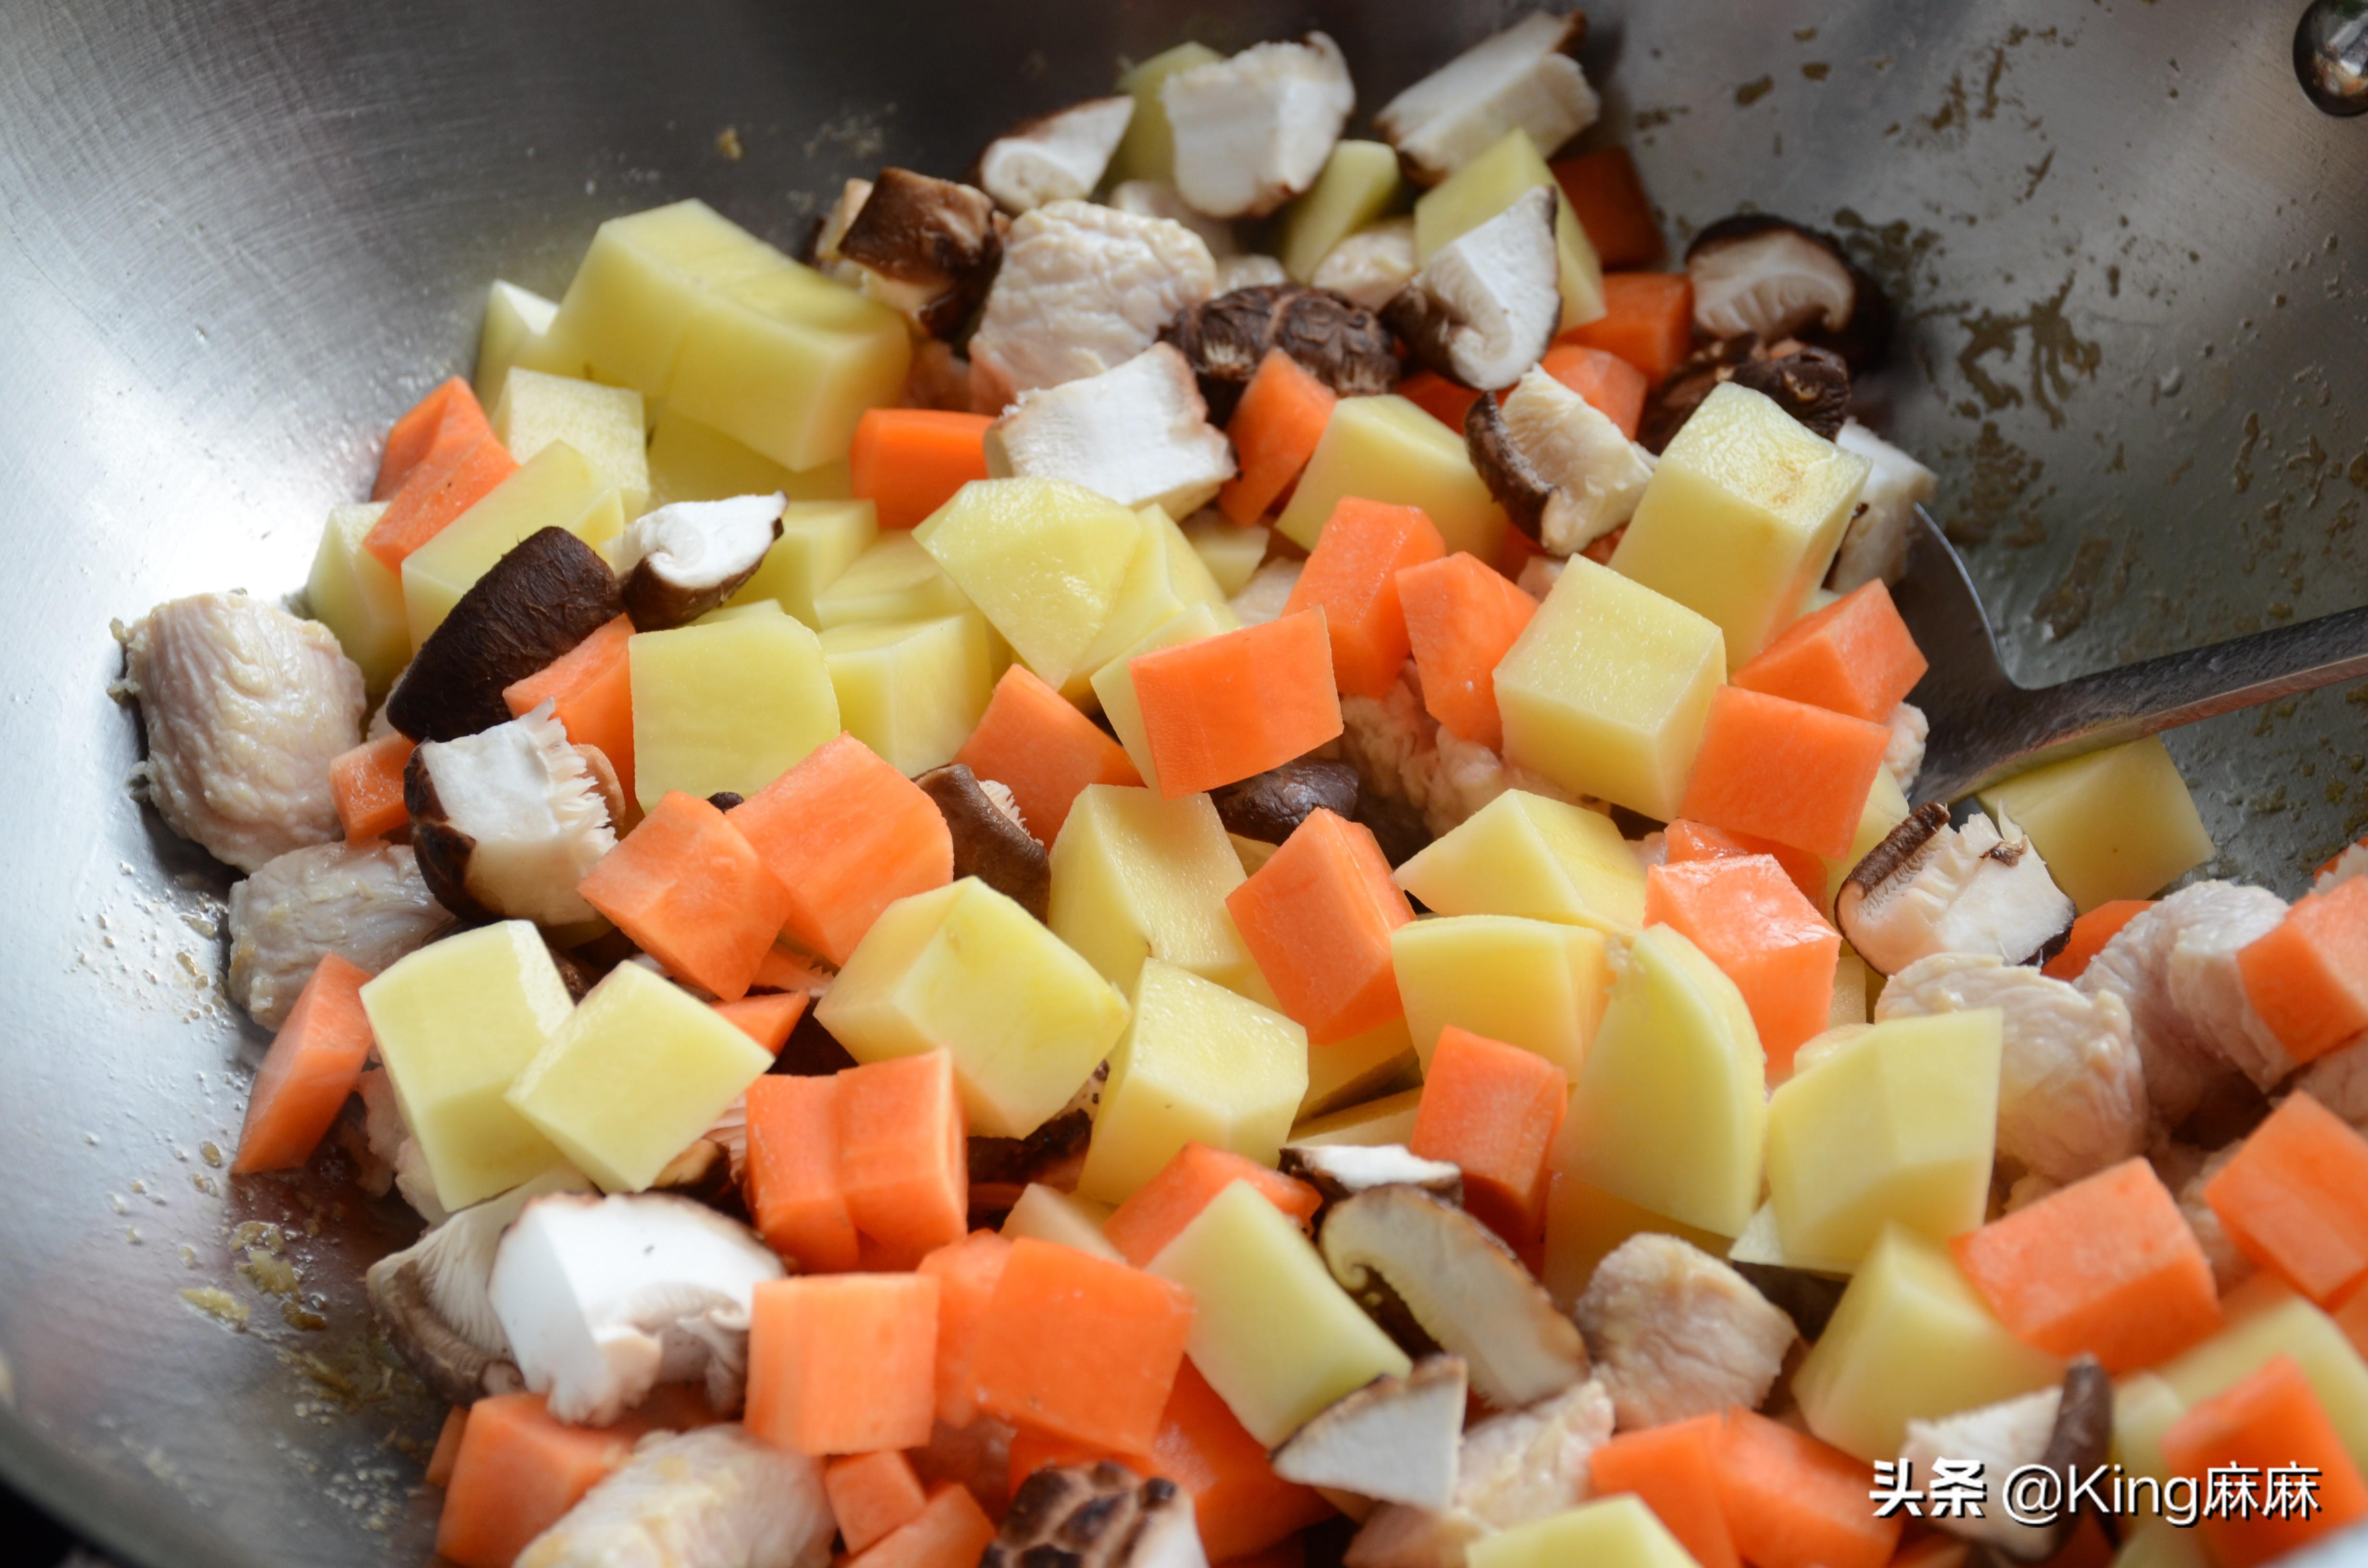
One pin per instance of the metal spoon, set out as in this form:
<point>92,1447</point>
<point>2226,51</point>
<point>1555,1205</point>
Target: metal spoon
<point>1985,727</point>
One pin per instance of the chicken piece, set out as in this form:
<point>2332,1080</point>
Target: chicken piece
<point>392,1145</point>
<point>246,707</point>
<point>1251,271</point>
<point>1157,198</point>
<point>1904,758</point>
<point>940,379</point>
<point>2002,1438</point>
<point>2339,1081</point>
<point>2072,1092</point>
<point>1512,1469</point>
<point>365,902</point>
<point>1401,753</point>
<point>1083,289</point>
<point>1527,75</point>
<point>2187,1171</point>
<point>1268,589</point>
<point>1371,266</point>
<point>1876,544</point>
<point>713,1499</point>
<point>1676,1333</point>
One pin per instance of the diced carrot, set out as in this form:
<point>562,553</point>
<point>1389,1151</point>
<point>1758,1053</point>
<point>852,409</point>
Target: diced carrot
<point>409,438</point>
<point>1220,709</point>
<point>2267,1423</point>
<point>1609,200</point>
<point>1494,1109</point>
<point>792,1182</point>
<point>903,1153</point>
<point>1784,771</point>
<point>1080,1347</point>
<point>464,461</point>
<point>2295,1199</point>
<point>314,1061</point>
<point>1750,918</point>
<point>909,461</point>
<point>951,1531</point>
<point>1855,656</point>
<point>843,1363</point>
<point>1515,550</point>
<point>1353,574</point>
<point>519,1469</point>
<point>367,785</point>
<point>447,1447</point>
<point>781,969</point>
<point>1445,401</point>
<point>1274,428</point>
<point>2107,1265</point>
<point>1610,385</point>
<point>966,1272</point>
<point>846,835</point>
<point>1648,320</point>
<point>1156,1210</point>
<point>1793,1502</point>
<point>2308,978</point>
<point>1239,1502</point>
<point>691,892</point>
<point>2090,932</point>
<point>872,1495</point>
<point>1685,841</point>
<point>767,1019</point>
<point>591,689</point>
<point>1921,1548</point>
<point>1036,744</point>
<point>1462,619</point>
<point>1318,918</point>
<point>1673,1469</point>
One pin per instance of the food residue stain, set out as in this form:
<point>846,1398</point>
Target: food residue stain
<point>2057,354</point>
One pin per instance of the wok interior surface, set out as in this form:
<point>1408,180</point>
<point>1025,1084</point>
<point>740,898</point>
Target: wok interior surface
<point>235,239</point>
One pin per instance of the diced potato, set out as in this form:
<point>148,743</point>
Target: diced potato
<point>455,1022</point>
<point>820,539</point>
<point>1850,1004</point>
<point>1535,984</point>
<point>2155,1544</point>
<point>1485,186</point>
<point>353,594</point>
<point>1617,1531</point>
<point>786,361</point>
<point>1232,552</point>
<point>1135,877</point>
<point>642,281</point>
<point>1912,1340</point>
<point>1886,808</point>
<point>1376,1122</point>
<point>603,424</point>
<point>1523,854</point>
<point>557,488</point>
<point>1741,517</point>
<point>1272,1331</point>
<point>517,331</point>
<point>1148,149</point>
<point>1388,450</point>
<point>634,1077</point>
<point>1164,578</point>
<point>1113,687</point>
<point>1042,558</point>
<point>1896,1127</point>
<point>965,969</point>
<point>2266,1319</point>
<point>893,579</point>
<point>2114,823</point>
<point>2144,1407</point>
<point>690,462</point>
<point>1350,1072</point>
<point>1063,1219</point>
<point>1252,852</point>
<point>1359,182</point>
<point>911,691</point>
<point>1669,1112</point>
<point>1584,1224</point>
<point>1197,1064</point>
<point>1607,690</point>
<point>728,705</point>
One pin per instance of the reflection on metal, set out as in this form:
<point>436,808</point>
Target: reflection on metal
<point>2330,53</point>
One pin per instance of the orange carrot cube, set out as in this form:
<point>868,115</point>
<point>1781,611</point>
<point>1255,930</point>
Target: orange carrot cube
<point>2269,1423</point>
<point>1354,573</point>
<point>1673,1469</point>
<point>909,461</point>
<point>1855,656</point>
<point>367,785</point>
<point>1685,841</point>
<point>966,1272</point>
<point>1462,619</point>
<point>1784,771</point>
<point>313,1064</point>
<point>1036,744</point>
<point>519,1469</point>
<point>903,1153</point>
<point>1079,1346</point>
<point>951,1531</point>
<point>792,1181</point>
<point>1275,427</point>
<point>1494,1109</point>
<point>1318,918</point>
<point>2295,1199</point>
<point>768,1018</point>
<point>1171,1200</point>
<point>1612,386</point>
<point>690,892</point>
<point>844,1363</point>
<point>872,1495</point>
<point>590,687</point>
<point>411,438</point>
<point>1239,1502</point>
<point>1445,401</point>
<point>1647,320</point>
<point>446,1452</point>
<point>1748,916</point>
<point>1792,1501</point>
<point>2091,931</point>
<point>1613,212</point>
<point>2308,978</point>
<point>1217,711</point>
<point>461,462</point>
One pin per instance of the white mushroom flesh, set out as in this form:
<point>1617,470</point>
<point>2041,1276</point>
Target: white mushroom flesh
<point>835,225</point>
<point>1158,199</point>
<point>364,902</point>
<point>2339,1081</point>
<point>1876,544</point>
<point>1352,1168</point>
<point>1056,157</point>
<point>1250,271</point>
<point>1676,1332</point>
<point>1395,1440</point>
<point>1253,130</point>
<point>391,1143</point>
<point>2001,1438</point>
<point>538,816</point>
<point>715,1497</point>
<point>1511,1470</point>
<point>1485,306</point>
<point>1774,283</point>
<point>1903,756</point>
<point>1521,78</point>
<point>1538,574</point>
<point>244,707</point>
<point>1981,888</point>
<point>1401,753</point>
<point>1139,433</point>
<point>1268,589</point>
<point>1598,473</point>
<point>604,1298</point>
<point>697,544</point>
<point>1371,266</point>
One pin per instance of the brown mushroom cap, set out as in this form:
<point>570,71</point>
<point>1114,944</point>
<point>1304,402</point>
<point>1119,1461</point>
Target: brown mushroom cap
<point>1341,1171</point>
<point>1104,1516</point>
<point>1813,385</point>
<point>683,560</point>
<point>943,237</point>
<point>1510,477</point>
<point>1270,806</point>
<point>1335,339</point>
<point>1002,1168</point>
<point>1807,1298</point>
<point>1863,334</point>
<point>1671,403</point>
<point>548,593</point>
<point>989,843</point>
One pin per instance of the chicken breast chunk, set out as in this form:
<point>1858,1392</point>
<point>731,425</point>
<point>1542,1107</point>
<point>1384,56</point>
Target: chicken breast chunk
<point>2187,1171</point>
<point>244,706</point>
<point>1401,753</point>
<point>1512,1469</point>
<point>713,1499</point>
<point>1676,1332</point>
<point>365,902</point>
<point>2004,1436</point>
<point>2072,1092</point>
<point>2339,1081</point>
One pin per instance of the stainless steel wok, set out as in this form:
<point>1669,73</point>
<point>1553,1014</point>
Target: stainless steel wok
<point>238,236</point>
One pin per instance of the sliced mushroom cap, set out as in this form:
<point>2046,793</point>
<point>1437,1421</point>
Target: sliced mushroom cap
<point>931,247</point>
<point>681,561</point>
<point>1485,306</point>
<point>547,595</point>
<point>2061,1428</point>
<point>1054,157</point>
<point>1341,1171</point>
<point>1395,1440</point>
<point>1670,404</point>
<point>991,843</point>
<point>506,822</point>
<point>1813,385</point>
<point>1562,469</point>
<point>1371,266</point>
<point>1102,1515</point>
<point>1138,433</point>
<point>1270,806</point>
<point>1398,1248</point>
<point>1003,1169</point>
<point>1928,888</point>
<point>1526,77</point>
<point>1253,130</point>
<point>1509,476</point>
<point>715,1497</point>
<point>1806,1298</point>
<point>831,228</point>
<point>1770,275</point>
<point>1338,342</point>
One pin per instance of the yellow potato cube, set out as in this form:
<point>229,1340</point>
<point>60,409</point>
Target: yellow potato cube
<point>643,279</point>
<point>517,331</point>
<point>911,691</point>
<point>728,704</point>
<point>1896,1127</point>
<point>1147,150</point>
<point>603,424</point>
<point>1388,450</point>
<point>1197,1064</point>
<point>2144,1407</point>
<point>1232,552</point>
<point>2265,1318</point>
<point>454,1023</point>
<point>893,579</point>
<point>1376,1122</point>
<point>1612,1532</point>
<point>1350,1072</point>
<point>1063,1219</point>
<point>1523,854</point>
<point>1359,182</point>
<point>1741,517</point>
<point>786,361</point>
<point>1607,688</point>
<point>1886,808</point>
<point>1042,559</point>
<point>820,539</point>
<point>1671,1111</point>
<point>1135,877</point>
<point>353,594</point>
<point>1252,852</point>
<point>1761,1242</point>
<point>1851,977</point>
<point>1912,1340</point>
<point>2114,823</point>
<point>2154,1543</point>
<point>1113,687</point>
<point>1164,578</point>
<point>1584,1224</point>
<point>557,488</point>
<point>690,462</point>
<point>1535,984</point>
<point>965,969</point>
<point>1485,186</point>
<point>634,1077</point>
<point>1272,1331</point>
